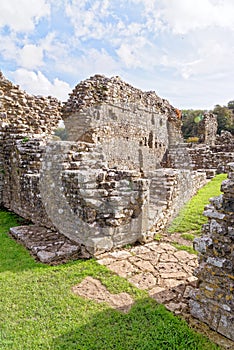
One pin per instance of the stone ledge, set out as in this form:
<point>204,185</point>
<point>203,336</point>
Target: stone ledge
<point>47,246</point>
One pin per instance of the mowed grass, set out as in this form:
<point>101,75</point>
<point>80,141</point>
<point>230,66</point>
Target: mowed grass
<point>191,218</point>
<point>39,311</point>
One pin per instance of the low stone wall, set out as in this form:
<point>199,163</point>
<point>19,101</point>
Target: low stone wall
<point>170,190</point>
<point>213,302</point>
<point>208,158</point>
<point>211,157</point>
<point>88,202</point>
<point>1,172</point>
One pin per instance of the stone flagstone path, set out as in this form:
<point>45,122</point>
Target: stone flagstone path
<point>92,288</point>
<point>158,267</point>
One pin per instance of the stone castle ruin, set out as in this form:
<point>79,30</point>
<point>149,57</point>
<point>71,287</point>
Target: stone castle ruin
<point>122,176</point>
<point>105,187</point>
<point>207,129</point>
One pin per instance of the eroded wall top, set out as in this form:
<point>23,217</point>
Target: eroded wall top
<point>99,89</point>
<point>134,127</point>
<point>26,114</point>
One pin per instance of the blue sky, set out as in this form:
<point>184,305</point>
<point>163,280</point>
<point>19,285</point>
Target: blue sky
<point>182,49</point>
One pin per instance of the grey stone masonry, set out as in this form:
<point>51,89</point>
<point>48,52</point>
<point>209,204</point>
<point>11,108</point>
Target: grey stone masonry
<point>211,154</point>
<point>207,129</point>
<point>23,118</point>
<point>104,208</point>
<point>134,127</point>
<point>213,301</point>
<point>211,159</point>
<point>106,186</point>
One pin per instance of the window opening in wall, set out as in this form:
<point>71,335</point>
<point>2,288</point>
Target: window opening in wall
<point>61,132</point>
<point>150,140</point>
<point>161,122</point>
<point>145,141</point>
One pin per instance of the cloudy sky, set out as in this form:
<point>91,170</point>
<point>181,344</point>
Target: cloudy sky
<point>182,49</point>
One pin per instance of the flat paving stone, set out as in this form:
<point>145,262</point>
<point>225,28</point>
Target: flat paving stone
<point>159,268</point>
<point>143,265</point>
<point>123,268</point>
<point>91,288</point>
<point>144,280</point>
<point>48,246</point>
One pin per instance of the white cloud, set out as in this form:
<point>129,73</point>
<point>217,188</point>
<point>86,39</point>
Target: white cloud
<point>89,62</point>
<point>38,84</point>
<point>205,53</point>
<point>128,54</point>
<point>88,17</point>
<point>178,42</point>
<point>183,16</point>
<point>23,15</point>
<point>8,47</point>
<point>31,56</point>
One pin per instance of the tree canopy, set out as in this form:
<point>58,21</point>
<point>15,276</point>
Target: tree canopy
<point>191,118</point>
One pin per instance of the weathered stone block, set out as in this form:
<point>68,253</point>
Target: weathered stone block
<point>213,301</point>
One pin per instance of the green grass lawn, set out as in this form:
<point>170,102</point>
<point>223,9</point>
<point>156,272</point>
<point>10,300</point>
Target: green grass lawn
<point>39,311</point>
<point>191,218</point>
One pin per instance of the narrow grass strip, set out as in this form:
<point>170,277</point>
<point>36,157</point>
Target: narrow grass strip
<point>191,218</point>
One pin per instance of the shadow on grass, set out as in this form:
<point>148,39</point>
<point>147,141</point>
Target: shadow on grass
<point>147,326</point>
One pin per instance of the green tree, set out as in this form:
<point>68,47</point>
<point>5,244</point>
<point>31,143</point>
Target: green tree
<point>62,133</point>
<point>224,117</point>
<point>190,120</point>
<point>231,105</point>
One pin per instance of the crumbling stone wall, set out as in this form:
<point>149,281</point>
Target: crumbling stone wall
<point>207,129</point>
<point>105,187</point>
<point>134,128</point>
<point>21,192</point>
<point>90,203</point>
<point>26,122</point>
<point>111,184</point>
<point>212,302</point>
<point>169,190</point>
<point>211,156</point>
<point>104,208</point>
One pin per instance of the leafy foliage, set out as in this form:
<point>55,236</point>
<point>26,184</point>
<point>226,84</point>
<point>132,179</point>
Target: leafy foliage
<point>224,118</point>
<point>191,118</point>
<point>61,133</point>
